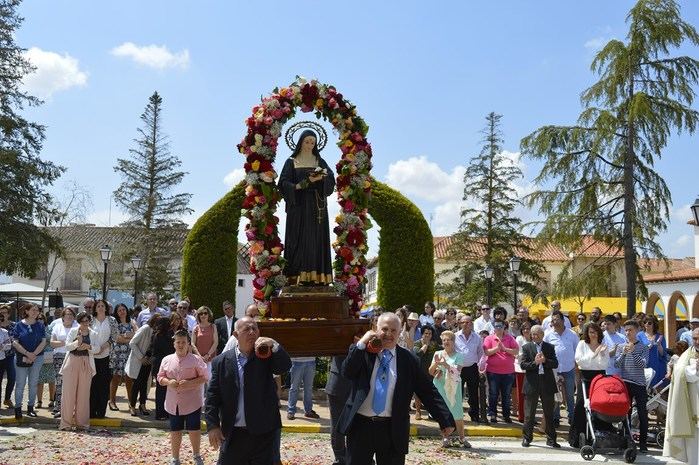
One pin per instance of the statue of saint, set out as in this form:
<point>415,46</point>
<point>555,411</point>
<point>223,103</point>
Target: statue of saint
<point>306,182</point>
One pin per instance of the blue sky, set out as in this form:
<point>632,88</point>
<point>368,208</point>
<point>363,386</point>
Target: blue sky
<point>422,74</point>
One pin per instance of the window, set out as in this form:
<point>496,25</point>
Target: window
<point>241,283</point>
<point>371,283</point>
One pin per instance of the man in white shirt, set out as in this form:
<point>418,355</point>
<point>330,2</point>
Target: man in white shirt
<point>614,341</point>
<point>225,325</point>
<point>555,306</point>
<point>564,342</point>
<point>376,418</point>
<point>469,343</point>
<point>151,309</point>
<point>483,322</point>
<point>183,310</point>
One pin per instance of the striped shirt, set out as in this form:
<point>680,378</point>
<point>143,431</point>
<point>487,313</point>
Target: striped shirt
<point>633,364</point>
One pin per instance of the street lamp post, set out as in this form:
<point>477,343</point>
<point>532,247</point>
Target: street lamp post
<point>136,263</point>
<point>514,268</point>
<point>488,272</point>
<point>695,212</point>
<point>106,254</point>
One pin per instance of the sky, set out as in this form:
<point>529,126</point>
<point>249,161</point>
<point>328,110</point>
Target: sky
<point>422,74</point>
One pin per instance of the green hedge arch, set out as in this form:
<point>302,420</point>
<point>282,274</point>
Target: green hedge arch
<point>209,255</point>
<point>406,255</point>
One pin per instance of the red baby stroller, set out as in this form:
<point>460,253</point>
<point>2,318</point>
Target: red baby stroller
<point>608,429</point>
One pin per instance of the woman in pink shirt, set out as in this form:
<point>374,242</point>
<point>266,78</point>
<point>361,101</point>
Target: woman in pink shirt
<point>501,349</point>
<point>183,373</point>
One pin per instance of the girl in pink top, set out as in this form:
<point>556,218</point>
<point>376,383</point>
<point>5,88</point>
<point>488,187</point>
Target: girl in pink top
<point>501,349</point>
<point>183,373</point>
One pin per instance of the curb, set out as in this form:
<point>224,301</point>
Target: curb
<point>415,430</point>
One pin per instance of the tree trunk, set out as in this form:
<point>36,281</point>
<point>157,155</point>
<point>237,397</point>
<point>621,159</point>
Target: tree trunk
<point>629,216</point>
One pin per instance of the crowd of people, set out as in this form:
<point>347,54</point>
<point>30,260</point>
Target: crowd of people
<point>436,361</point>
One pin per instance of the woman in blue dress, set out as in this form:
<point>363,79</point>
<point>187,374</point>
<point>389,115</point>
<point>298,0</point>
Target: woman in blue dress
<point>446,370</point>
<point>657,349</point>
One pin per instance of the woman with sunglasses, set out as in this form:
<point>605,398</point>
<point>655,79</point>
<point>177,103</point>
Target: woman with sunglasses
<point>77,372</point>
<point>451,322</point>
<point>59,333</point>
<point>580,327</point>
<point>657,349</point>
<point>28,339</point>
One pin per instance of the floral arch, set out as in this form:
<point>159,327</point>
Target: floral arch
<point>259,147</point>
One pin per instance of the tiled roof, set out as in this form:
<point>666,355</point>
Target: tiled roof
<point>548,252</point>
<point>541,251</point>
<point>86,238</point>
<point>691,274</point>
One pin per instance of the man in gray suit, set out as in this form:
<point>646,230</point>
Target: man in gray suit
<point>337,389</point>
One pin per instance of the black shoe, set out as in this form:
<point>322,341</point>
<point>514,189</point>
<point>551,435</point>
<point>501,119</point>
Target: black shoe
<point>526,442</point>
<point>643,448</point>
<point>553,444</point>
<point>18,413</point>
<point>508,420</point>
<point>31,412</point>
<point>493,420</point>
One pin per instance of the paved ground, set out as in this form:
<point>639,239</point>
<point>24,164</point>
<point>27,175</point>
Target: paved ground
<point>44,445</point>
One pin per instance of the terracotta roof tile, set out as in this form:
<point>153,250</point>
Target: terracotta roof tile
<point>675,275</point>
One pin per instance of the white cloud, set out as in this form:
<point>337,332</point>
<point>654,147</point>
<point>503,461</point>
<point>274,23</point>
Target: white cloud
<point>54,73</point>
<point>234,177</point>
<point>596,43</point>
<point>425,180</point>
<point>153,56</point>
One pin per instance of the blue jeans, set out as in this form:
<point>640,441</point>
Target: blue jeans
<point>500,386</point>
<point>569,383</point>
<point>27,375</point>
<point>11,375</point>
<point>302,371</point>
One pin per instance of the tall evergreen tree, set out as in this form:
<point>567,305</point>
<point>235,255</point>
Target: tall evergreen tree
<point>149,176</point>
<point>24,177</point>
<point>599,174</point>
<point>490,233</point>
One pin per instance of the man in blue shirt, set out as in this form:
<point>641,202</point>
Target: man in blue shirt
<point>614,341</point>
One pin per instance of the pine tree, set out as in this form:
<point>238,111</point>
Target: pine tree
<point>24,177</point>
<point>490,233</point>
<point>148,178</point>
<point>599,174</point>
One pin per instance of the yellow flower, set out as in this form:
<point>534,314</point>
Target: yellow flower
<point>319,103</point>
<point>255,165</point>
<point>367,184</point>
<point>350,156</point>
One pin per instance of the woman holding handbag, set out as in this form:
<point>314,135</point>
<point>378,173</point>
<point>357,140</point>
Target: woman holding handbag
<point>28,339</point>
<point>138,365</point>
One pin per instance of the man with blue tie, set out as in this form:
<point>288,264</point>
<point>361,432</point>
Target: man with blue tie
<point>376,417</point>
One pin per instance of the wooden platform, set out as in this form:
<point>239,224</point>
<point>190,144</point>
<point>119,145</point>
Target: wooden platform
<point>312,324</point>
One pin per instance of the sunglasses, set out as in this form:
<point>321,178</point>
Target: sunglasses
<point>451,313</point>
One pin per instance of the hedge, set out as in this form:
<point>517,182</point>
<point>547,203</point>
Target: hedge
<point>406,254</point>
<point>406,260</point>
<point>209,256</point>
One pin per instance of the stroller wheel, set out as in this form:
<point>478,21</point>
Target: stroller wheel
<point>660,438</point>
<point>630,455</point>
<point>587,452</point>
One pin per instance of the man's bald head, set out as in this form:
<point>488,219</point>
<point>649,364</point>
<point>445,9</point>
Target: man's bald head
<point>252,311</point>
<point>695,338</point>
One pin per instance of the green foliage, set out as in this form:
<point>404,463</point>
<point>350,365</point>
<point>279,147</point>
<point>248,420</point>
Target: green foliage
<point>599,174</point>
<point>406,255</point>
<point>582,285</point>
<point>490,233</point>
<point>24,177</point>
<point>148,177</point>
<point>210,253</point>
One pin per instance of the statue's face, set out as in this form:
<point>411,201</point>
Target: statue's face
<point>308,144</point>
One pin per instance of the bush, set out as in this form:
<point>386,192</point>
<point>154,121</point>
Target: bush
<point>406,253</point>
<point>209,256</point>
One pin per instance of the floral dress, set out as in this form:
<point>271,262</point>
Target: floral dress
<point>449,383</point>
<point>120,352</point>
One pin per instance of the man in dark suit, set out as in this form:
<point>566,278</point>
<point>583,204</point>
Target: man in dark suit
<point>539,360</point>
<point>337,389</point>
<point>241,402</point>
<point>376,417</point>
<point>225,325</point>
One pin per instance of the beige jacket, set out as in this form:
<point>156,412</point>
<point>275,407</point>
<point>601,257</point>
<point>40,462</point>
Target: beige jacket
<point>72,343</point>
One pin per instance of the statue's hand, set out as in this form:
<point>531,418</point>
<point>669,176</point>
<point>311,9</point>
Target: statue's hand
<point>315,177</point>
